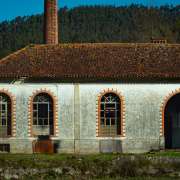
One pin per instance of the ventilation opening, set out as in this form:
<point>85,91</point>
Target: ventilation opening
<point>159,41</point>
<point>4,148</point>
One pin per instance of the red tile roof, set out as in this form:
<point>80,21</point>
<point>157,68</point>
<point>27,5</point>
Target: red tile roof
<point>94,62</point>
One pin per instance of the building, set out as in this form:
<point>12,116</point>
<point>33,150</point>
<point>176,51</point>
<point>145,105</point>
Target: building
<point>89,98</point>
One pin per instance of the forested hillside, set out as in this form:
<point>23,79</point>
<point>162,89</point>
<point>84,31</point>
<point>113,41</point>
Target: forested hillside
<point>95,24</point>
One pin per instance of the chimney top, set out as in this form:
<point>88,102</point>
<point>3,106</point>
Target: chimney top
<point>51,22</point>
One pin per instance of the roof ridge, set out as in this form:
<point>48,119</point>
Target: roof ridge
<point>106,43</point>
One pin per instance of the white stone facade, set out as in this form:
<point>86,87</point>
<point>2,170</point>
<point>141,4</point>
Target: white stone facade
<point>77,116</point>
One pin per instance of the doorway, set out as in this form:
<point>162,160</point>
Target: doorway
<point>172,123</point>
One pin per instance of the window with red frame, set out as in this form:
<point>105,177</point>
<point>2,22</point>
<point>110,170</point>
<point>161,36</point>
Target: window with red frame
<point>110,115</point>
<point>5,115</point>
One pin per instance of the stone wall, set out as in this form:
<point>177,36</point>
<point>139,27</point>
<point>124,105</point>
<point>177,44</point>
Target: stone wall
<point>77,117</point>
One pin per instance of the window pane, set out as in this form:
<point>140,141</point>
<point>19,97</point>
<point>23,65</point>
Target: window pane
<point>108,114</point>
<point>3,107</point>
<point>3,122</point>
<point>35,106</point>
<point>112,121</point>
<point>3,114</point>
<point>35,114</point>
<point>50,114</point>
<point>107,122</point>
<point>40,121</point>
<point>102,121</point>
<point>45,121</point>
<point>110,106</point>
<point>43,110</point>
<point>102,113</point>
<point>34,121</point>
<point>102,106</point>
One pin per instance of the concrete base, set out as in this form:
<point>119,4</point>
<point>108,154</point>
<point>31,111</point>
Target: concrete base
<point>140,145</point>
<point>90,146</point>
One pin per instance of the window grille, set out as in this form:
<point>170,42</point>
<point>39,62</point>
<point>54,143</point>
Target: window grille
<point>4,147</point>
<point>5,115</point>
<point>110,120</point>
<point>43,114</point>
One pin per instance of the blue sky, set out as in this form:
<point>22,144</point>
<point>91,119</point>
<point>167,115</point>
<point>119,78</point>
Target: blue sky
<point>12,8</point>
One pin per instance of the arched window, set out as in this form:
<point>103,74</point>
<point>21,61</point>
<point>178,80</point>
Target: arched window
<point>5,115</point>
<point>110,116</point>
<point>43,120</point>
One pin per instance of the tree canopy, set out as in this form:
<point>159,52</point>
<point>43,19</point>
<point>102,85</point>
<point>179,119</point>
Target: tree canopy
<point>135,23</point>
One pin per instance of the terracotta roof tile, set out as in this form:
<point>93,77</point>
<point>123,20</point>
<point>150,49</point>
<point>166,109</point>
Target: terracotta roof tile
<point>94,61</point>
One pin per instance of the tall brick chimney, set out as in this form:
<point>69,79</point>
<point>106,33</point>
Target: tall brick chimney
<point>50,22</point>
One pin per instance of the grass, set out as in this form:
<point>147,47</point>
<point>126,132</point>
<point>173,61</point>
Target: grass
<point>46,160</point>
<point>60,157</point>
<point>41,160</point>
<point>106,178</point>
<point>91,157</point>
<point>94,166</point>
<point>175,154</point>
<point>139,178</point>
